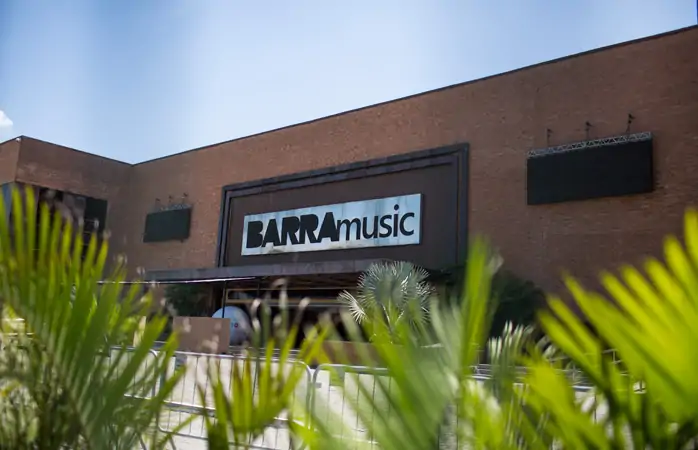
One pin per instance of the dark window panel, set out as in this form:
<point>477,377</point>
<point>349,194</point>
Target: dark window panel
<point>595,172</point>
<point>171,225</point>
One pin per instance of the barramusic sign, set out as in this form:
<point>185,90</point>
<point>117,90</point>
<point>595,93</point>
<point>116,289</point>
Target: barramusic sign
<point>370,223</point>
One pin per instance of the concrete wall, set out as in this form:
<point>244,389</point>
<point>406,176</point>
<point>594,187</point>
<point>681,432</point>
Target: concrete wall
<point>203,334</point>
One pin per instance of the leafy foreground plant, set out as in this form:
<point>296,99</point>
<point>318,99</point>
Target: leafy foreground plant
<point>647,401</point>
<point>408,408</point>
<point>650,400</point>
<point>262,388</point>
<point>67,379</point>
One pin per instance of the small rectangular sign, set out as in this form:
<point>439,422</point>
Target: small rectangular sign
<point>379,222</point>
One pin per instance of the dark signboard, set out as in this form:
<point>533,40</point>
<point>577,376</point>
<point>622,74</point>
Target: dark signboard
<point>168,225</point>
<point>430,186</point>
<point>605,168</point>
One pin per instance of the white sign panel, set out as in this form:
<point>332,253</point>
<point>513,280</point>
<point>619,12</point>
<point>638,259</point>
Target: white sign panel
<point>371,223</point>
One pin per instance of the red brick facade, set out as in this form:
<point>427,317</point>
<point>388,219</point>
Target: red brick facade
<point>9,153</point>
<point>501,118</point>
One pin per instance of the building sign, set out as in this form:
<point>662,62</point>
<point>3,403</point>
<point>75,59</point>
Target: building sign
<point>371,223</point>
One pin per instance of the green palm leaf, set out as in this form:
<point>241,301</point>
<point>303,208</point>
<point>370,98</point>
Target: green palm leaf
<point>651,395</point>
<point>391,293</point>
<point>77,357</point>
<point>261,388</point>
<point>423,383</point>
<point>647,399</point>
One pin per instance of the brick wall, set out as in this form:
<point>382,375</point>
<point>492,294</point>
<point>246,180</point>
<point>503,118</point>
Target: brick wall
<point>9,152</point>
<point>61,168</point>
<point>502,118</point>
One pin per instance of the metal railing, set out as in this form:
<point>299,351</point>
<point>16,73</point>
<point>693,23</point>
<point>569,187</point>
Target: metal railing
<point>330,388</point>
<point>186,402</point>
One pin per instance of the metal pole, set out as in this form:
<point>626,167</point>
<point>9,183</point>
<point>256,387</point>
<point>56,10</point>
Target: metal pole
<point>224,297</point>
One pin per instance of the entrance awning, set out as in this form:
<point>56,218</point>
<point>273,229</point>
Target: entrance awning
<point>326,275</point>
<point>318,275</point>
<point>264,271</point>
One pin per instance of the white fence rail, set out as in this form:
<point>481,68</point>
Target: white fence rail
<point>321,389</point>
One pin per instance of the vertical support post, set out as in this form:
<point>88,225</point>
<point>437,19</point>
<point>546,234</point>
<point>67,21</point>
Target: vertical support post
<point>224,297</point>
<point>224,301</point>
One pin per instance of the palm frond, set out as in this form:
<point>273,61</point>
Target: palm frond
<point>651,325</point>
<point>263,389</point>
<point>390,293</point>
<point>423,384</point>
<point>504,355</point>
<point>357,306</point>
<point>103,392</point>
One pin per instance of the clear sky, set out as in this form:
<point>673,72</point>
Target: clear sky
<point>135,80</point>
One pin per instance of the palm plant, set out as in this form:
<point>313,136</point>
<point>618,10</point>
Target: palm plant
<point>423,384</point>
<point>649,397</point>
<point>388,295</point>
<point>67,378</point>
<point>262,389</point>
<point>504,353</point>
<point>644,397</point>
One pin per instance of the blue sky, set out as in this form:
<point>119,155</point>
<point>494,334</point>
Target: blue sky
<point>135,80</point>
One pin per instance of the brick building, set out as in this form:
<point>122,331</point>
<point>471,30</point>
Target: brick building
<point>470,153</point>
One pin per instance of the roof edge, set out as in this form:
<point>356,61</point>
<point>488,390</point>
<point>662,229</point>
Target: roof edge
<point>444,88</point>
<point>16,138</point>
<point>23,137</point>
<point>374,105</point>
